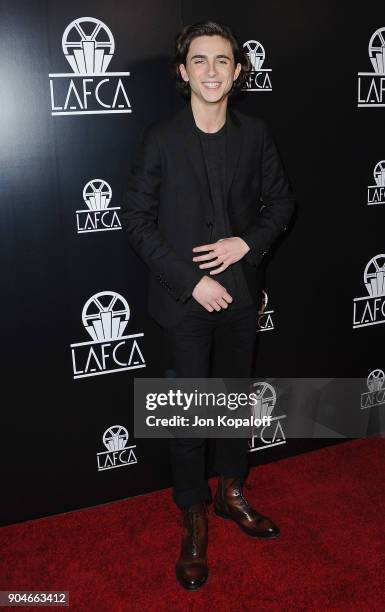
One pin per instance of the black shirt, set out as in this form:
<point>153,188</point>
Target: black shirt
<point>214,154</point>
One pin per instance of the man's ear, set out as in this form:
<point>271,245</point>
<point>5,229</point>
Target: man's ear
<point>183,73</point>
<point>237,71</point>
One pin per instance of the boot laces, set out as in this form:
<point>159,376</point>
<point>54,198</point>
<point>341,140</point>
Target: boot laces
<point>239,493</point>
<point>246,506</point>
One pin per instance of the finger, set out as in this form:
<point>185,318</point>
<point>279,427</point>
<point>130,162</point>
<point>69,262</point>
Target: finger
<point>209,308</point>
<point>205,257</point>
<point>222,303</point>
<point>227,297</point>
<point>204,247</point>
<point>223,267</point>
<point>211,264</point>
<point>215,306</point>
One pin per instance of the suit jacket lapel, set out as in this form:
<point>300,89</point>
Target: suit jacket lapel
<point>234,144</point>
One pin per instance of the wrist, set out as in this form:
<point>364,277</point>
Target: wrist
<point>245,245</point>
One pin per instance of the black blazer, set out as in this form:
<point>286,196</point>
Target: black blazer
<point>166,203</point>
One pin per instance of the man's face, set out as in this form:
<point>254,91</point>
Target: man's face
<point>210,68</point>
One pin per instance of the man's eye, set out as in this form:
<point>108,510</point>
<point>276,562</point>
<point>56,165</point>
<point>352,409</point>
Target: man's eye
<point>198,61</point>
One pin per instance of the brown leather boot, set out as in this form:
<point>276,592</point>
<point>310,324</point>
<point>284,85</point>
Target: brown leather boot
<point>191,568</point>
<point>230,503</point>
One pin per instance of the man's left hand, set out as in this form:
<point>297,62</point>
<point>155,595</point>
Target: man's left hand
<point>223,253</point>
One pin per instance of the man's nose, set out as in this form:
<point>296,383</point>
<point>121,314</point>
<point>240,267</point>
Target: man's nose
<point>211,69</point>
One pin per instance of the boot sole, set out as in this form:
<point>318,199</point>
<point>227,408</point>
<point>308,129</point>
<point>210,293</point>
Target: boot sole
<point>230,518</point>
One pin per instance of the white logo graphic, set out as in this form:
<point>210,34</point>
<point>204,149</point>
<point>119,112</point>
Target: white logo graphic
<point>88,45</point>
<point>371,85</point>
<point>376,193</point>
<point>265,320</point>
<point>105,317</point>
<point>377,51</point>
<point>371,311</point>
<point>106,322</point>
<point>375,380</point>
<point>118,454</point>
<point>374,276</point>
<point>376,394</point>
<point>88,53</point>
<point>98,217</point>
<point>263,406</point>
<point>259,78</point>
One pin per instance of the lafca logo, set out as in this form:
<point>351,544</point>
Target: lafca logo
<point>376,394</point>
<point>265,317</point>
<point>105,316</point>
<point>263,406</point>
<point>371,85</point>
<point>98,217</point>
<point>376,193</point>
<point>88,46</point>
<point>118,454</point>
<point>371,310</point>
<point>259,79</point>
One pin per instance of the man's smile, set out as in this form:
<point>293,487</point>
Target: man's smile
<point>212,84</point>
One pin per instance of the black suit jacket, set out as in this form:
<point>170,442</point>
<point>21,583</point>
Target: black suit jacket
<point>166,204</point>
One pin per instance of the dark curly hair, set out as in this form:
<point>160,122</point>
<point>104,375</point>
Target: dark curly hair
<point>207,28</point>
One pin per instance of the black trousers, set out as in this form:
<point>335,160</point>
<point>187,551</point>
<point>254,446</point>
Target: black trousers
<point>210,344</point>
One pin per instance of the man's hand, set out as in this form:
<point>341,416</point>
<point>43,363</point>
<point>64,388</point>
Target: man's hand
<point>211,295</point>
<point>224,252</point>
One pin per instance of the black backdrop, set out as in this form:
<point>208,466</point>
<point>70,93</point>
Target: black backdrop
<point>53,423</point>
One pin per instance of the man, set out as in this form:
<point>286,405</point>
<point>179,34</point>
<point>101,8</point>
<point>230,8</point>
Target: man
<point>207,197</point>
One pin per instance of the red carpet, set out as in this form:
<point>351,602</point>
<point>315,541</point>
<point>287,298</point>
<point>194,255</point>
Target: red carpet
<point>329,504</point>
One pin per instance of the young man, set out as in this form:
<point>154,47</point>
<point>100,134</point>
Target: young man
<point>207,197</point>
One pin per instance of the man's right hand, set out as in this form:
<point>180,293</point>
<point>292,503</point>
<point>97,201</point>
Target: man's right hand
<point>211,295</point>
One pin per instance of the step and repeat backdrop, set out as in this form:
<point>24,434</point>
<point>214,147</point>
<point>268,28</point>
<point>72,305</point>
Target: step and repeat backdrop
<point>79,83</point>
